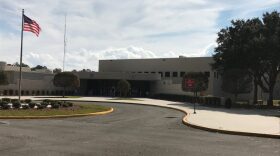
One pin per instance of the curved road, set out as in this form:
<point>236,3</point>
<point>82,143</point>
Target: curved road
<point>130,130</point>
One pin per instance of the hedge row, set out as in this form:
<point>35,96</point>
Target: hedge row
<point>209,101</point>
<point>7,103</point>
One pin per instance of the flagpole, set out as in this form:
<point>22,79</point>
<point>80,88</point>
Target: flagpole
<point>64,44</point>
<point>20,64</point>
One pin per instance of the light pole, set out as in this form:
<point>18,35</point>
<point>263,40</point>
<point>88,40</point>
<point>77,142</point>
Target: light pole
<point>194,104</point>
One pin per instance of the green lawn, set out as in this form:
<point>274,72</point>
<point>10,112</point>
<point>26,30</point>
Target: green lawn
<point>120,98</point>
<point>78,109</point>
<point>58,97</point>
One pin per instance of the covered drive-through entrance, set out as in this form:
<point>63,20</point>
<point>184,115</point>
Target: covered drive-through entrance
<point>98,87</point>
<point>105,83</point>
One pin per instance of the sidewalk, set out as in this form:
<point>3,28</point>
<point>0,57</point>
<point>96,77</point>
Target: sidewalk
<point>220,119</point>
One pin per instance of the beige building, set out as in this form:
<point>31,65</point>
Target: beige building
<point>157,76</point>
<point>38,82</point>
<point>146,76</point>
<point>170,71</point>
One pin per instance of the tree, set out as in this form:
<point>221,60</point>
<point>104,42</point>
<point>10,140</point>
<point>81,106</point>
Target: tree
<point>22,65</point>
<point>66,80</point>
<point>239,48</point>
<point>85,70</point>
<point>195,82</point>
<point>271,51</point>
<point>237,81</point>
<point>38,67</point>
<point>57,70</point>
<point>123,87</point>
<point>251,45</point>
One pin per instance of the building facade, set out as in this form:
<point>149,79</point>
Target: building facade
<point>159,76</point>
<point>147,77</point>
<point>38,82</point>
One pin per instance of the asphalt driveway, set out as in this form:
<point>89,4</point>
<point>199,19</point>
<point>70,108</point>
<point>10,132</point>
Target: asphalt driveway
<point>129,130</point>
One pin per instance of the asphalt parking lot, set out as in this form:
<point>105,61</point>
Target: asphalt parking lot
<point>129,130</point>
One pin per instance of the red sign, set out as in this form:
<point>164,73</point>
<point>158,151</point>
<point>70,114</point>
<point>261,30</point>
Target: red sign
<point>189,83</point>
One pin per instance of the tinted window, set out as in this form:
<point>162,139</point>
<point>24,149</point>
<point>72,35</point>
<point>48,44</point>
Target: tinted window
<point>167,74</point>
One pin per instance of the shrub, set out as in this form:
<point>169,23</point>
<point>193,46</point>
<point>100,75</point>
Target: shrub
<point>212,101</point>
<point>27,100</point>
<point>5,106</point>
<point>6,99</point>
<point>64,104</point>
<point>66,80</point>
<point>41,106</point>
<point>228,103</point>
<point>123,87</point>
<point>70,104</point>
<point>55,106</point>
<point>209,101</point>
<point>45,104</point>
<point>16,105</point>
<point>55,103</point>
<point>25,106</point>
<point>14,100</point>
<point>47,100</point>
<point>2,103</point>
<point>32,104</point>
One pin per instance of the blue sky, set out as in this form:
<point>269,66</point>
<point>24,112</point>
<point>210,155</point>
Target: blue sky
<point>119,29</point>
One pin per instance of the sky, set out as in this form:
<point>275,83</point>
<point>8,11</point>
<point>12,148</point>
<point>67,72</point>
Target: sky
<point>118,29</point>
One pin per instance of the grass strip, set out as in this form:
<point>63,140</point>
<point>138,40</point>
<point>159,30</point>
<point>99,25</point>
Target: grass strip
<point>78,109</point>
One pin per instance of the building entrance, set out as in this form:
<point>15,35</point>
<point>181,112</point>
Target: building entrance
<point>98,87</point>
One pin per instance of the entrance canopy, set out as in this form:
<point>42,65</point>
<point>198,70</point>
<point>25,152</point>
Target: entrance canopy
<point>119,76</point>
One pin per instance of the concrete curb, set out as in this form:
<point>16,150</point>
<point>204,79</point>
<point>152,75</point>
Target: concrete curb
<point>57,116</point>
<point>185,122</point>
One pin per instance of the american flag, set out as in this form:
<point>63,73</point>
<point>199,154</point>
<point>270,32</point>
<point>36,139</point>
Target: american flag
<point>31,25</point>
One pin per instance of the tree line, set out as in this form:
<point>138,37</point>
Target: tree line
<point>249,51</point>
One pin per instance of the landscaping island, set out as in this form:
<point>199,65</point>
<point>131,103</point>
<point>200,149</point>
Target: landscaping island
<point>10,108</point>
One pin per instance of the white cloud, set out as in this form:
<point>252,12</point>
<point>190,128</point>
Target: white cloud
<point>104,29</point>
<point>209,50</point>
<point>87,59</point>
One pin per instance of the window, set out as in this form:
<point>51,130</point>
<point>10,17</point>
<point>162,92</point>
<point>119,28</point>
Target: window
<point>182,74</point>
<point>11,92</point>
<point>160,74</point>
<point>167,74</point>
<point>174,74</point>
<point>153,72</point>
<point>146,72</point>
